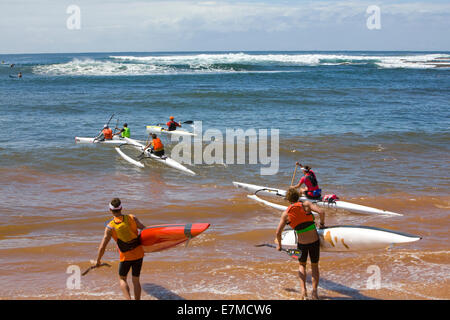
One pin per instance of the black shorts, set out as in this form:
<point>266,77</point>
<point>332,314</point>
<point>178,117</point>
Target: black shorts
<point>313,249</point>
<point>135,265</point>
<point>158,153</point>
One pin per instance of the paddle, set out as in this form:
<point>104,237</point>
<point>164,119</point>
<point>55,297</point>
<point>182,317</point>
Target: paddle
<point>142,155</point>
<point>295,172</point>
<point>184,122</point>
<point>93,267</point>
<point>110,119</point>
<point>293,253</point>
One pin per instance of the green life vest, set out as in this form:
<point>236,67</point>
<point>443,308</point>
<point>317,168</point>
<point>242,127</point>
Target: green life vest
<point>126,132</point>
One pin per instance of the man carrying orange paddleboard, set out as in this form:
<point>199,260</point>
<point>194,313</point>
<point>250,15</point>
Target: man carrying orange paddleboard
<point>124,229</point>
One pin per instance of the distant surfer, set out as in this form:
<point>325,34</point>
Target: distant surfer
<point>311,189</point>
<point>12,65</point>
<point>156,146</point>
<point>124,132</point>
<point>105,134</point>
<point>124,229</point>
<point>19,75</point>
<point>172,125</point>
<point>299,217</point>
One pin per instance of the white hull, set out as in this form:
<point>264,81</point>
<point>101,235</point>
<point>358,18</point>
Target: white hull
<point>352,238</point>
<point>129,159</point>
<point>115,141</point>
<point>167,161</point>
<point>339,204</point>
<point>178,132</point>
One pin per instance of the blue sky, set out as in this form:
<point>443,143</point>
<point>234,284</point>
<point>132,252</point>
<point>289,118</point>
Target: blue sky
<point>39,26</point>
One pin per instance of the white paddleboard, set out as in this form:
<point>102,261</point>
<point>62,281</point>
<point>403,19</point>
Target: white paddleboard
<point>352,238</point>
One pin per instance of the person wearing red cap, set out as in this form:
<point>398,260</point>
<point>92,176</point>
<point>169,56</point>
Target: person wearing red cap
<point>311,189</point>
<point>172,125</point>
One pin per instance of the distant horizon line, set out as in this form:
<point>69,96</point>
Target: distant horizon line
<point>221,51</point>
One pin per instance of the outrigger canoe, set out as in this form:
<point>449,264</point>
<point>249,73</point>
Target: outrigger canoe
<point>178,132</point>
<point>336,204</point>
<point>164,159</point>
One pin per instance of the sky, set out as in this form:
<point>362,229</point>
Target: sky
<point>46,26</point>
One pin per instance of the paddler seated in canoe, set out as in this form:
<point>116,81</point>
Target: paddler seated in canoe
<point>299,217</point>
<point>124,132</point>
<point>156,146</point>
<point>172,125</point>
<point>311,186</point>
<point>124,229</point>
<point>105,134</point>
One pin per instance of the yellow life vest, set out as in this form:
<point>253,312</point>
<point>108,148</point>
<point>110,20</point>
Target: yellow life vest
<point>125,232</point>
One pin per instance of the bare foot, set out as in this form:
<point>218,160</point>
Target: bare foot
<point>304,295</point>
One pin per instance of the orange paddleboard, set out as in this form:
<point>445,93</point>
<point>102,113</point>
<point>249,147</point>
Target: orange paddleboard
<point>165,236</point>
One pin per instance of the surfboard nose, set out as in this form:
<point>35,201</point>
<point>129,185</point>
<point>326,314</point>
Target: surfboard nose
<point>196,228</point>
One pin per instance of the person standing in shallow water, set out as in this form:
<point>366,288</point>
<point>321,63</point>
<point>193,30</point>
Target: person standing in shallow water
<point>299,217</point>
<point>124,229</point>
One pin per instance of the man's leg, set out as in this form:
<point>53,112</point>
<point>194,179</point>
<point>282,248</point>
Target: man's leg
<point>124,268</point>
<point>136,272</point>
<point>302,276</point>
<point>124,287</point>
<point>136,288</point>
<point>315,256</point>
<point>315,279</point>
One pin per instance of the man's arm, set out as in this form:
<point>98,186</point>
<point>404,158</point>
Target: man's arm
<point>280,229</point>
<point>314,207</point>
<point>139,224</point>
<point>104,243</point>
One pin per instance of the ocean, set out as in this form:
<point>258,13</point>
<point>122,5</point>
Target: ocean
<point>374,126</point>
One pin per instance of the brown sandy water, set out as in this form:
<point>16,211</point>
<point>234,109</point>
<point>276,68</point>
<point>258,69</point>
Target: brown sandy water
<point>54,221</point>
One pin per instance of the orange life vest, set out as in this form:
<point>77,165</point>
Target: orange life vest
<point>157,145</point>
<point>126,234</point>
<point>298,217</point>
<point>107,132</point>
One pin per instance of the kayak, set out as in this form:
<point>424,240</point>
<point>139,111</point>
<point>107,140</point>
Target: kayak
<point>115,141</point>
<point>163,237</point>
<point>178,132</point>
<point>336,204</point>
<point>352,238</point>
<point>164,159</point>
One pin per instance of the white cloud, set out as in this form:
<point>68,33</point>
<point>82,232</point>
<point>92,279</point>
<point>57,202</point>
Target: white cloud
<point>155,25</point>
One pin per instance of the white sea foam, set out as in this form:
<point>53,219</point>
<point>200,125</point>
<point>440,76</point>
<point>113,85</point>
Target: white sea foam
<point>228,62</point>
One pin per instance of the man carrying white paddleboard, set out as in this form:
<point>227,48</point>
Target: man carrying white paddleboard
<point>299,217</point>
<point>124,229</point>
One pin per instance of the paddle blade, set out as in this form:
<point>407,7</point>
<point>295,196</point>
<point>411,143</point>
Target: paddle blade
<point>188,122</point>
<point>293,253</point>
<point>93,267</point>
